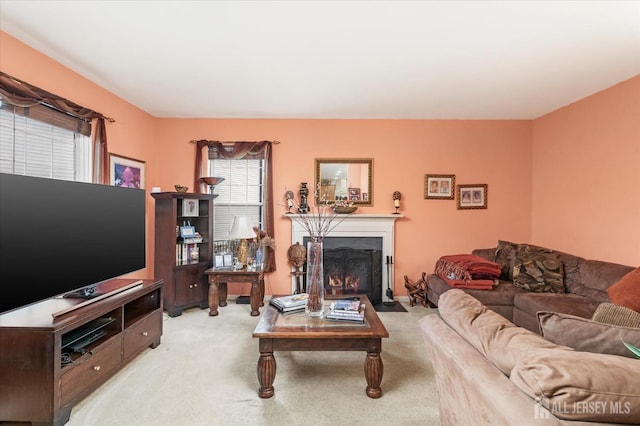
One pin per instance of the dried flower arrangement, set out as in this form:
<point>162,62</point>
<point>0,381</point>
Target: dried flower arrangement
<point>318,222</point>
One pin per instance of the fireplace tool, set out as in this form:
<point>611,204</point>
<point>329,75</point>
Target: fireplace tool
<point>389,291</point>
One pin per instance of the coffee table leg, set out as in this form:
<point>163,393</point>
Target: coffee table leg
<point>266,374</point>
<point>373,373</point>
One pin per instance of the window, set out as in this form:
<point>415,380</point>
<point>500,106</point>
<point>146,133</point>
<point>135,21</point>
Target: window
<point>42,142</point>
<point>240,194</point>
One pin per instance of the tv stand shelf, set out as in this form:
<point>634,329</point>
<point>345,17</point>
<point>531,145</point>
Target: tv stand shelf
<point>108,333</point>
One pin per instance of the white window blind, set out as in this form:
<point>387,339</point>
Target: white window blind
<point>240,194</point>
<point>47,149</point>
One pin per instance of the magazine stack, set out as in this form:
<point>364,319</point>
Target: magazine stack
<point>346,310</point>
<point>289,304</point>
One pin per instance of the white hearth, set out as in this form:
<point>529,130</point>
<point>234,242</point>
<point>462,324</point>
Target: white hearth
<point>354,226</point>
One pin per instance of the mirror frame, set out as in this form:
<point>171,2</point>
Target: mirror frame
<point>369,161</point>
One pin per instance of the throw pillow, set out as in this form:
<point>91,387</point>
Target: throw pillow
<point>505,256</point>
<point>626,292</point>
<point>610,313</point>
<point>581,385</point>
<point>538,271</point>
<point>587,335</point>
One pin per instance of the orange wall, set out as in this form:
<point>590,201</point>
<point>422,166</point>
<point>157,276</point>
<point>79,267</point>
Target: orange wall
<point>494,152</point>
<point>586,178</point>
<point>511,156</point>
<point>132,134</point>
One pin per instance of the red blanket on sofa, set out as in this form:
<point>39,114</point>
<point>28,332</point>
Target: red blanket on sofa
<point>467,271</point>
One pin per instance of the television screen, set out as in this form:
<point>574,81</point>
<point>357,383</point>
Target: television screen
<point>59,236</point>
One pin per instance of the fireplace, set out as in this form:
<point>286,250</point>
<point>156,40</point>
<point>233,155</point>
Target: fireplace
<point>352,266</point>
<point>356,229</point>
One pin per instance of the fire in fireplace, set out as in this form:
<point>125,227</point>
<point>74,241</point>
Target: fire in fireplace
<point>353,266</point>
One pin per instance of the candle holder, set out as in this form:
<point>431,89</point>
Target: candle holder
<point>397,196</point>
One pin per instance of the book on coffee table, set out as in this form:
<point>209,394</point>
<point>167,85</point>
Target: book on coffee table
<point>294,302</point>
<point>334,313</point>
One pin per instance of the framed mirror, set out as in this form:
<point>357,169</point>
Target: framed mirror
<point>345,179</point>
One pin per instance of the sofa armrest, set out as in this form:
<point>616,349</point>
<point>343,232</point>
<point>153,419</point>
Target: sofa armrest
<point>470,389</point>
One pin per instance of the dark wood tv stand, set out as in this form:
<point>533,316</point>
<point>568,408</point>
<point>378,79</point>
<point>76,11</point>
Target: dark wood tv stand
<point>41,379</point>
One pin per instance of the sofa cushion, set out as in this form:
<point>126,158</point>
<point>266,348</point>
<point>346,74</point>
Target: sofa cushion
<point>498,339</point>
<point>581,385</point>
<point>487,253</point>
<point>596,277</point>
<point>566,303</point>
<point>626,292</point>
<point>587,335</point>
<point>505,255</point>
<point>538,271</point>
<point>610,313</point>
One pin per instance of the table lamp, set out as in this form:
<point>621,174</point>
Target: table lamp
<point>241,230</point>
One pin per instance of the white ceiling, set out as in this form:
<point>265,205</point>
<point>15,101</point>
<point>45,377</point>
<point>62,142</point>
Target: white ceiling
<point>338,59</point>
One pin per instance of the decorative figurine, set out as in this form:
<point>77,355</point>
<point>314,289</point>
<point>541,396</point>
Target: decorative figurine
<point>289,197</point>
<point>297,255</point>
<point>397,196</point>
<point>303,208</point>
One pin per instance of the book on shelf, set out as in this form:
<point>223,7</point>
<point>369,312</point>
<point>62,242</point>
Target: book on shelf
<point>290,303</point>
<point>194,240</point>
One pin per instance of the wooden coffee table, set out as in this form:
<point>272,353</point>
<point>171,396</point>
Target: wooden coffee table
<point>296,332</point>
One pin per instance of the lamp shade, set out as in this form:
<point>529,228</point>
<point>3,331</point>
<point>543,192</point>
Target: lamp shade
<point>241,229</point>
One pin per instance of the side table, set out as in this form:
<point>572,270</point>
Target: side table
<point>218,280</point>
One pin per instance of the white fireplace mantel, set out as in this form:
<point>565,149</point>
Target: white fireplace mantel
<point>354,226</point>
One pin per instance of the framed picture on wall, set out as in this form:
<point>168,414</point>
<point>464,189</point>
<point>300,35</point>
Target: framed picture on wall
<point>439,187</point>
<point>126,172</point>
<point>472,196</point>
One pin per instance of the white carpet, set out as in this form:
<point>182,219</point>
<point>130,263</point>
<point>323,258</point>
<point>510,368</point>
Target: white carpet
<point>204,373</point>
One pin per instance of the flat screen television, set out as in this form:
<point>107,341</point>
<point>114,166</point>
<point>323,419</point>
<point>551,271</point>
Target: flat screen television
<point>59,237</point>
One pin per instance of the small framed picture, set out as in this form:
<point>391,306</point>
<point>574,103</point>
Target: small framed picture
<point>354,194</point>
<point>187,231</point>
<point>219,261</point>
<point>126,172</point>
<point>227,259</point>
<point>439,187</point>
<point>190,207</point>
<point>472,196</point>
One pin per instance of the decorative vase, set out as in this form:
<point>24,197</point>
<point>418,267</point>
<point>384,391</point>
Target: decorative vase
<point>259,256</point>
<point>315,280</point>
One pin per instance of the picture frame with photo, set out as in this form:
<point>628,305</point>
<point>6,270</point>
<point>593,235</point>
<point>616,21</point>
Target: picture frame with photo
<point>472,196</point>
<point>126,172</point>
<point>190,207</point>
<point>439,187</point>
<point>354,194</point>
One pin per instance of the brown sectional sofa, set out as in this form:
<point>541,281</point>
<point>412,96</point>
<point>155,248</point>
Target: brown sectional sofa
<point>586,282</point>
<point>491,372</point>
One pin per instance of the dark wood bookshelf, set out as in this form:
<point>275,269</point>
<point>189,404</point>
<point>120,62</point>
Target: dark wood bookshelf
<point>185,284</point>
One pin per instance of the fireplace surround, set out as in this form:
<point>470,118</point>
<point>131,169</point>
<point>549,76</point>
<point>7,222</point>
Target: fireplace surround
<point>358,226</point>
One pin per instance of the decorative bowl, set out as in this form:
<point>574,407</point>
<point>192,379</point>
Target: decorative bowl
<point>344,210</point>
<point>181,188</point>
